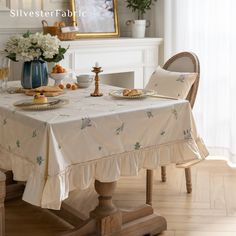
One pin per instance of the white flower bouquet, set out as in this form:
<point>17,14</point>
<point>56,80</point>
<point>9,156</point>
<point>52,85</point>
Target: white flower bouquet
<point>28,47</point>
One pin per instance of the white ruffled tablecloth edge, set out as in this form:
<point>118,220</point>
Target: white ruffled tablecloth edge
<point>108,169</point>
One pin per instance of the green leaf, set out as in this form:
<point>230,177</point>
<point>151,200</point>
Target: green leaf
<point>58,57</point>
<point>27,34</point>
<point>141,6</point>
<point>12,56</point>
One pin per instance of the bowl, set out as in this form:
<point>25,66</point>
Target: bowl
<point>58,77</point>
<point>84,81</point>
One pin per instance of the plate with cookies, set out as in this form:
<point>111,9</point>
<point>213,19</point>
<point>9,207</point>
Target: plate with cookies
<point>131,93</point>
<point>48,91</point>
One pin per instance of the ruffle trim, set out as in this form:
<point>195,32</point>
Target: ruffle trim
<point>51,192</point>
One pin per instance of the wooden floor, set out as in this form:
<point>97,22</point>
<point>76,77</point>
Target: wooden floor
<point>209,211</point>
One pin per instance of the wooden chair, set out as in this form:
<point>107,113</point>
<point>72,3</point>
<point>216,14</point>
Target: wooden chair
<point>181,62</point>
<point>9,189</point>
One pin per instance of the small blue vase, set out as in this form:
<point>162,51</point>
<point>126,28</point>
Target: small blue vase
<point>34,74</point>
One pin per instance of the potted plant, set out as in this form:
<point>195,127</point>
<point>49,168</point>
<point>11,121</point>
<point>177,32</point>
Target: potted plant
<point>35,50</point>
<point>139,6</point>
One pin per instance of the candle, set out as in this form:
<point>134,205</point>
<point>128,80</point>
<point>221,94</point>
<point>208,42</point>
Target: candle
<point>96,64</point>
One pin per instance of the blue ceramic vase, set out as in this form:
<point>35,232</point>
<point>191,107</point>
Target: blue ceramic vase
<point>34,74</point>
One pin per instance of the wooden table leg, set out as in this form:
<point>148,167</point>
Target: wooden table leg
<point>107,220</point>
<point>2,199</point>
<point>107,216</point>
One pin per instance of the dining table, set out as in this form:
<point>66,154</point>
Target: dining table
<point>96,140</point>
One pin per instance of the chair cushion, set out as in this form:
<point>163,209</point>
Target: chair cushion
<point>174,84</point>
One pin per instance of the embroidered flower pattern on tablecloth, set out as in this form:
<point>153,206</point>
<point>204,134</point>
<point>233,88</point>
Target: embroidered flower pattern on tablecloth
<point>137,146</point>
<point>149,114</point>
<point>18,143</point>
<point>34,134</point>
<point>86,122</point>
<point>4,121</point>
<point>175,113</point>
<point>39,160</point>
<point>181,78</point>
<point>163,133</point>
<point>187,134</point>
<point>120,129</point>
<point>23,138</point>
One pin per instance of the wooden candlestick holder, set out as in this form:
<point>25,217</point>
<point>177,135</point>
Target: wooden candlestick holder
<point>96,92</point>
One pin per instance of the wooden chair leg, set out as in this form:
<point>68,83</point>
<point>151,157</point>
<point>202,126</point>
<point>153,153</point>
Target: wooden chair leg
<point>149,187</point>
<point>14,189</point>
<point>9,176</point>
<point>188,180</point>
<point>163,173</point>
<point>2,199</point>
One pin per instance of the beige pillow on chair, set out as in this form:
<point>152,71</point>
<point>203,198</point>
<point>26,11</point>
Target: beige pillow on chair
<point>173,84</point>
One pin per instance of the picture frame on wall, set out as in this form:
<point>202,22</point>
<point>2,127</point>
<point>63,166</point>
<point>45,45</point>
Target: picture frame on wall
<point>95,18</point>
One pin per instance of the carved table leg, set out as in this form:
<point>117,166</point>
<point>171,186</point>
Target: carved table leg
<point>107,220</point>
<point>2,199</point>
<point>107,216</point>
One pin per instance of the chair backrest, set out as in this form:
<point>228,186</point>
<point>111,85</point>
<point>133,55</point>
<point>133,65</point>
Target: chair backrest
<point>186,62</point>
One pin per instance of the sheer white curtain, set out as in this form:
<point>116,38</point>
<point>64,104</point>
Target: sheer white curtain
<point>208,28</point>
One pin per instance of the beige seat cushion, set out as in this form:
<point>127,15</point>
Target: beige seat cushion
<point>174,84</point>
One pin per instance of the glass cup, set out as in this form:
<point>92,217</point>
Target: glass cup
<point>4,72</point>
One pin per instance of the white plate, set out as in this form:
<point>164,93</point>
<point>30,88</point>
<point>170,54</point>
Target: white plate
<point>119,94</point>
<point>53,103</point>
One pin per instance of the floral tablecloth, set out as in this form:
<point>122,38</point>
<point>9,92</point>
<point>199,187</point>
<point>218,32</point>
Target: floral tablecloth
<point>57,151</point>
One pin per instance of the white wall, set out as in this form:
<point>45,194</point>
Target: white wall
<point>157,16</point>
<point>23,23</point>
<point>12,25</point>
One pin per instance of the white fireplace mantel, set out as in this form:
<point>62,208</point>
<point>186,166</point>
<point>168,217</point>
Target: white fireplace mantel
<point>119,55</point>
